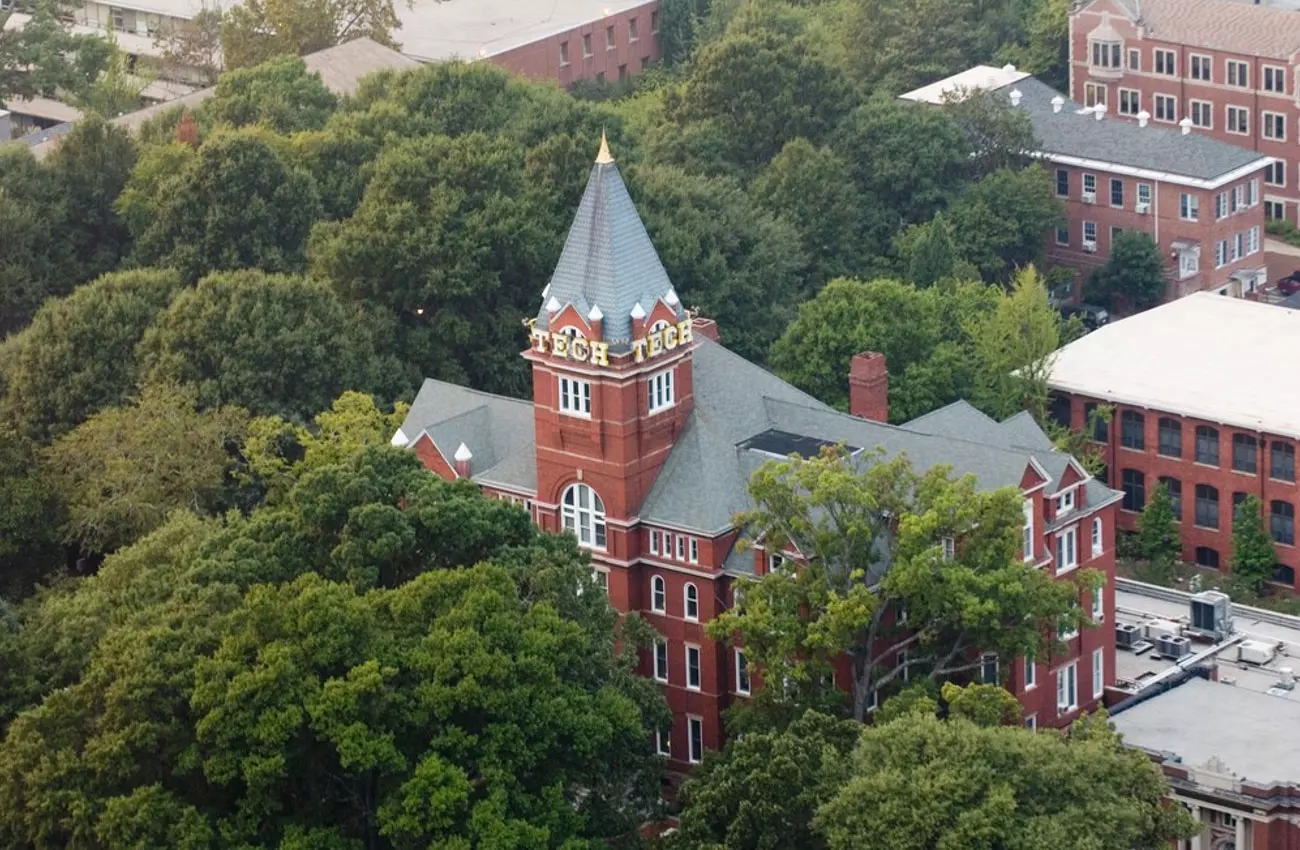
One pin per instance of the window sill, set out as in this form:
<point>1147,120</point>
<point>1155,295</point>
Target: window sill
<point>1205,464</point>
<point>1178,456</point>
<point>1066,570</point>
<point>694,690</point>
<point>1205,527</point>
<point>653,411</point>
<point>573,414</point>
<point>1137,451</point>
<point>1281,480</point>
<point>1245,474</point>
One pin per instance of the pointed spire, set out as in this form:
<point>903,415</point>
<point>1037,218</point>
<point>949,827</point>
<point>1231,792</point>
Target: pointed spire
<point>638,312</point>
<point>554,304</point>
<point>672,298</point>
<point>603,157</point>
<point>463,454</point>
<point>594,313</point>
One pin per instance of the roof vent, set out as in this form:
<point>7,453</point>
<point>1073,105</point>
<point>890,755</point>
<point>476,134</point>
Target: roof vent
<point>1186,124</point>
<point>1099,111</point>
<point>1015,97</point>
<point>1143,118</point>
<point>1057,103</point>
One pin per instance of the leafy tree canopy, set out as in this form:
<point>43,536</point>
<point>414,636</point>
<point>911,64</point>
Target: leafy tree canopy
<point>1133,275</point>
<point>1158,536</point>
<point>279,93</point>
<point>1253,552</point>
<point>258,30</point>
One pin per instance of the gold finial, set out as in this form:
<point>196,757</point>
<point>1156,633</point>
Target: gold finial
<point>603,157</point>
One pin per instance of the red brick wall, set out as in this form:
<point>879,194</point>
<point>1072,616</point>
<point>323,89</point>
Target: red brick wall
<point>541,59</point>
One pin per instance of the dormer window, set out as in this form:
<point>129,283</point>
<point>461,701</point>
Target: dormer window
<point>1106,54</point>
<point>1065,503</point>
<point>572,332</point>
<point>658,326</point>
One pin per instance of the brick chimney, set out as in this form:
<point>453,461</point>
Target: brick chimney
<point>869,386</point>
<point>705,327</point>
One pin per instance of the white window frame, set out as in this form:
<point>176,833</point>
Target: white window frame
<point>1274,125</point>
<point>1220,206</point>
<point>1027,532</point>
<point>1166,108</point>
<point>659,391</point>
<point>691,602</point>
<point>1144,194</point>
<point>1242,116</point>
<point>1171,64</point>
<point>693,723</point>
<point>1094,94</point>
<point>601,578</point>
<point>1201,112</point>
<point>1098,537</point>
<point>949,546</point>
<point>1067,688</point>
<point>1090,227</point>
<point>1090,183</point>
<point>654,542</point>
<point>1220,253</point>
<point>575,397</point>
<point>1099,604</point>
<point>1065,502</point>
<point>695,672</point>
<point>1276,167</point>
<point>1031,722</point>
<point>1274,209</point>
<point>1252,241</point>
<point>1189,207</point>
<point>1067,550</point>
<point>1134,101</point>
<point>1098,673</point>
<point>743,682</point>
<point>660,660</point>
<point>1189,263</point>
<point>694,551</point>
<point>1200,67</point>
<point>663,743</point>
<point>1242,74</point>
<point>1134,59</point>
<point>681,547</point>
<point>1274,79</point>
<point>658,595</point>
<point>1031,674</point>
<point>587,523</point>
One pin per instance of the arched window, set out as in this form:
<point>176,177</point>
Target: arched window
<point>1097,540</point>
<point>1283,574</point>
<point>658,326</point>
<point>692,602</point>
<point>584,515</point>
<point>658,595</point>
<point>573,332</point>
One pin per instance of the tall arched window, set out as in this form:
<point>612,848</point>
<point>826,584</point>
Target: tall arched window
<point>584,515</point>
<point>692,602</point>
<point>658,326</point>
<point>658,595</point>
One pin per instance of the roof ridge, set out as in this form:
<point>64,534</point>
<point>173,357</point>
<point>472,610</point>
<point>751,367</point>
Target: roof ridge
<point>481,393</point>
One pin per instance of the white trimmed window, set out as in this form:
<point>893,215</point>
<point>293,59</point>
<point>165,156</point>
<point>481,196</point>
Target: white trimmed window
<point>584,515</point>
<point>1275,79</point>
<point>1094,94</point>
<point>661,660</point>
<point>1027,536</point>
<point>1166,62</point>
<point>1067,688</point>
<point>1238,74</point>
<point>692,668</point>
<point>1252,192</point>
<point>575,396</point>
<point>1189,207</point>
<point>602,579</point>
<point>1097,541</point>
<point>1238,120</point>
<point>691,598</point>
<point>1166,108</point>
<point>1067,550</point>
<point>1220,253</point>
<point>1031,722</point>
<point>660,389</point>
<point>1098,673</point>
<point>1274,126</point>
<point>658,595</point>
<point>1090,232</point>
<point>949,548</point>
<point>663,743</point>
<point>1252,241</point>
<point>1221,205</point>
<point>1099,604</point>
<point>695,551</point>
<point>1090,184</point>
<point>1031,674</point>
<point>742,673</point>
<point>1130,101</point>
<point>1275,173</point>
<point>1065,503</point>
<point>681,547</point>
<point>1202,113</point>
<point>1201,67</point>
<point>654,543</point>
<point>694,739</point>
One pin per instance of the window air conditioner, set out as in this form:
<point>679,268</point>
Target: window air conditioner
<point>1090,247</point>
<point>1143,209</point>
<point>1090,197</point>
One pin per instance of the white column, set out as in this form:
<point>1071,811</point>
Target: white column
<point>1241,833</point>
<point>1196,839</point>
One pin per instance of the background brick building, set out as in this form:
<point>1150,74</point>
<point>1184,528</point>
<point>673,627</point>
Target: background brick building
<point>1212,434</point>
<point>1229,68</point>
<point>641,437</point>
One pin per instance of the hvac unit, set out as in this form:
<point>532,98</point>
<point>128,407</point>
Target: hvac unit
<point>1142,208</point>
<point>1090,247</point>
<point>1126,634</point>
<point>1211,615</point>
<point>1154,629</point>
<point>1173,646</point>
<point>1090,197</point>
<point>1256,652</point>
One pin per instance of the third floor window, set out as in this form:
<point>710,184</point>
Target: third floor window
<point>1105,54</point>
<point>1170,438</point>
<point>1275,79</point>
<point>1201,68</point>
<point>1131,426</point>
<point>1243,453</point>
<point>1238,120</point>
<point>1166,62</point>
<point>1274,126</point>
<point>1281,463</point>
<point>1238,74</point>
<point>1202,113</point>
<point>1207,445</point>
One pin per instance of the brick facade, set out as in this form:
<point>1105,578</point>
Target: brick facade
<point>619,45</point>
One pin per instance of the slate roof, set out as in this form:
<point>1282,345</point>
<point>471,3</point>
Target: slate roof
<point>1234,27</point>
<point>608,260</point>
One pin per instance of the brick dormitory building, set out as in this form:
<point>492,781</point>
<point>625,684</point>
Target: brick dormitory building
<point>1196,405</point>
<point>643,432</point>
<point>1198,198</point>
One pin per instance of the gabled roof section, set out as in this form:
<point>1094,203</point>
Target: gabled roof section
<point>608,260</point>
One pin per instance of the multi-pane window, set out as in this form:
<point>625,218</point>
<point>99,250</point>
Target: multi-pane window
<point>692,667</point>
<point>1027,531</point>
<point>1275,209</point>
<point>1090,233</point>
<point>1220,253</point>
<point>1131,425</point>
<point>1099,604</point>
<point>1130,101</point>
<point>694,739</point>
<point>681,547</point>
<point>742,673</point>
<point>575,396</point>
<point>584,515</point>
<point>691,602</point>
<point>1221,205</point>
<point>1207,506</point>
<point>989,668</point>
<point>1098,539</point>
<point>1065,503</point>
<point>1189,207</point>
<point>1274,126</point>
<point>1207,445</point>
<point>660,389</point>
<point>1244,450</point>
<point>1144,194</point>
<point>1281,522</point>
<point>1170,442</point>
<point>1098,673</point>
<point>1189,262</point>
<point>1166,108</point>
<point>1062,183</point>
<point>1174,488</point>
<point>1094,94</point>
<point>1238,244</point>
<point>1166,62</point>
<point>1201,67</point>
<point>1238,120</point>
<point>1090,184</point>
<point>1238,74</point>
<point>1281,461</point>
<point>1031,673</point>
<point>1067,550</point>
<point>1105,54</point>
<point>694,556</point>
<point>1207,557</point>
<point>1100,427</point>
<point>1275,79</point>
<point>1201,112</point>
<point>1237,499</point>
<point>1067,691</point>
<point>1062,235</point>
<point>658,595</point>
<point>1275,173</point>
<point>663,745</point>
<point>1116,192</point>
<point>1252,241</point>
<point>1134,484</point>
<point>661,659</point>
<point>1238,197</point>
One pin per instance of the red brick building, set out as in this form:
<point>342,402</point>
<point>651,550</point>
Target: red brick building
<point>1213,428</point>
<point>643,432</point>
<point>1199,199</point>
<point>1227,68</point>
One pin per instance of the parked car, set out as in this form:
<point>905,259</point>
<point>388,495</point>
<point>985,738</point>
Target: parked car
<point>1090,315</point>
<point>1290,284</point>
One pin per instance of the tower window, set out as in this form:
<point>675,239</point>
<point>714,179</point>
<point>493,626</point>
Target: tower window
<point>660,389</point>
<point>584,515</point>
<point>575,397</point>
<point>692,602</point>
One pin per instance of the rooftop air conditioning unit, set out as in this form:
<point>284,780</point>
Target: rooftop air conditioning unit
<point>1090,247</point>
<point>1126,634</point>
<point>1142,208</point>
<point>1173,646</point>
<point>1090,197</point>
<point>1211,615</point>
<point>1256,652</point>
<point>1153,629</point>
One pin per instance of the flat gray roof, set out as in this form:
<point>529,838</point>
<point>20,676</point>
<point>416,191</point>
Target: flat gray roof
<point>1252,733</point>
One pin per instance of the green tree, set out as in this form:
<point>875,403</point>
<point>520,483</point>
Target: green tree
<point>258,30</point>
<point>927,251</point>
<point>1133,276</point>
<point>982,704</point>
<point>78,355</point>
<point>29,520</point>
<point>34,260</point>
<point>272,344</point>
<point>1253,552</point>
<point>1158,536</point>
<point>872,530</point>
<point>998,221</point>
<point>239,203</point>
<point>43,58</point>
<point>763,789</point>
<point>116,88</point>
<point>1046,51</point>
<point>1013,347</point>
<point>191,47</point>
<point>279,93</point>
<point>920,782</point>
<point>156,177</point>
<point>124,469</point>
